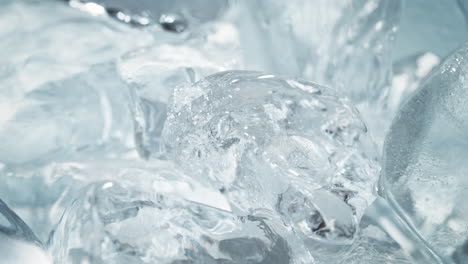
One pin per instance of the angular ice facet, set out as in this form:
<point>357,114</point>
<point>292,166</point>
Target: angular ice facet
<point>278,143</point>
<point>40,48</point>
<point>41,55</point>
<point>424,174</point>
<point>114,222</point>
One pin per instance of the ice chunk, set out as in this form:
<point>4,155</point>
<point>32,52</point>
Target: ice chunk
<point>424,174</point>
<point>86,113</point>
<point>113,222</point>
<point>153,72</point>
<point>344,44</point>
<point>279,143</point>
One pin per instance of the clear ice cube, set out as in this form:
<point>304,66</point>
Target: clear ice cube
<point>33,191</point>
<point>278,143</point>
<point>424,174</point>
<point>86,113</point>
<point>41,54</point>
<point>153,72</point>
<point>40,48</point>
<point>123,221</point>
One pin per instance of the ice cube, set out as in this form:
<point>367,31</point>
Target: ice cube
<point>424,174</point>
<point>153,72</point>
<point>40,48</point>
<point>52,186</point>
<point>86,113</point>
<point>344,44</point>
<point>114,222</point>
<point>284,144</point>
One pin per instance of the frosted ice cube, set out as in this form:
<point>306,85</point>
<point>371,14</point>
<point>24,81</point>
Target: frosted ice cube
<point>424,174</point>
<point>115,222</point>
<point>279,143</point>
